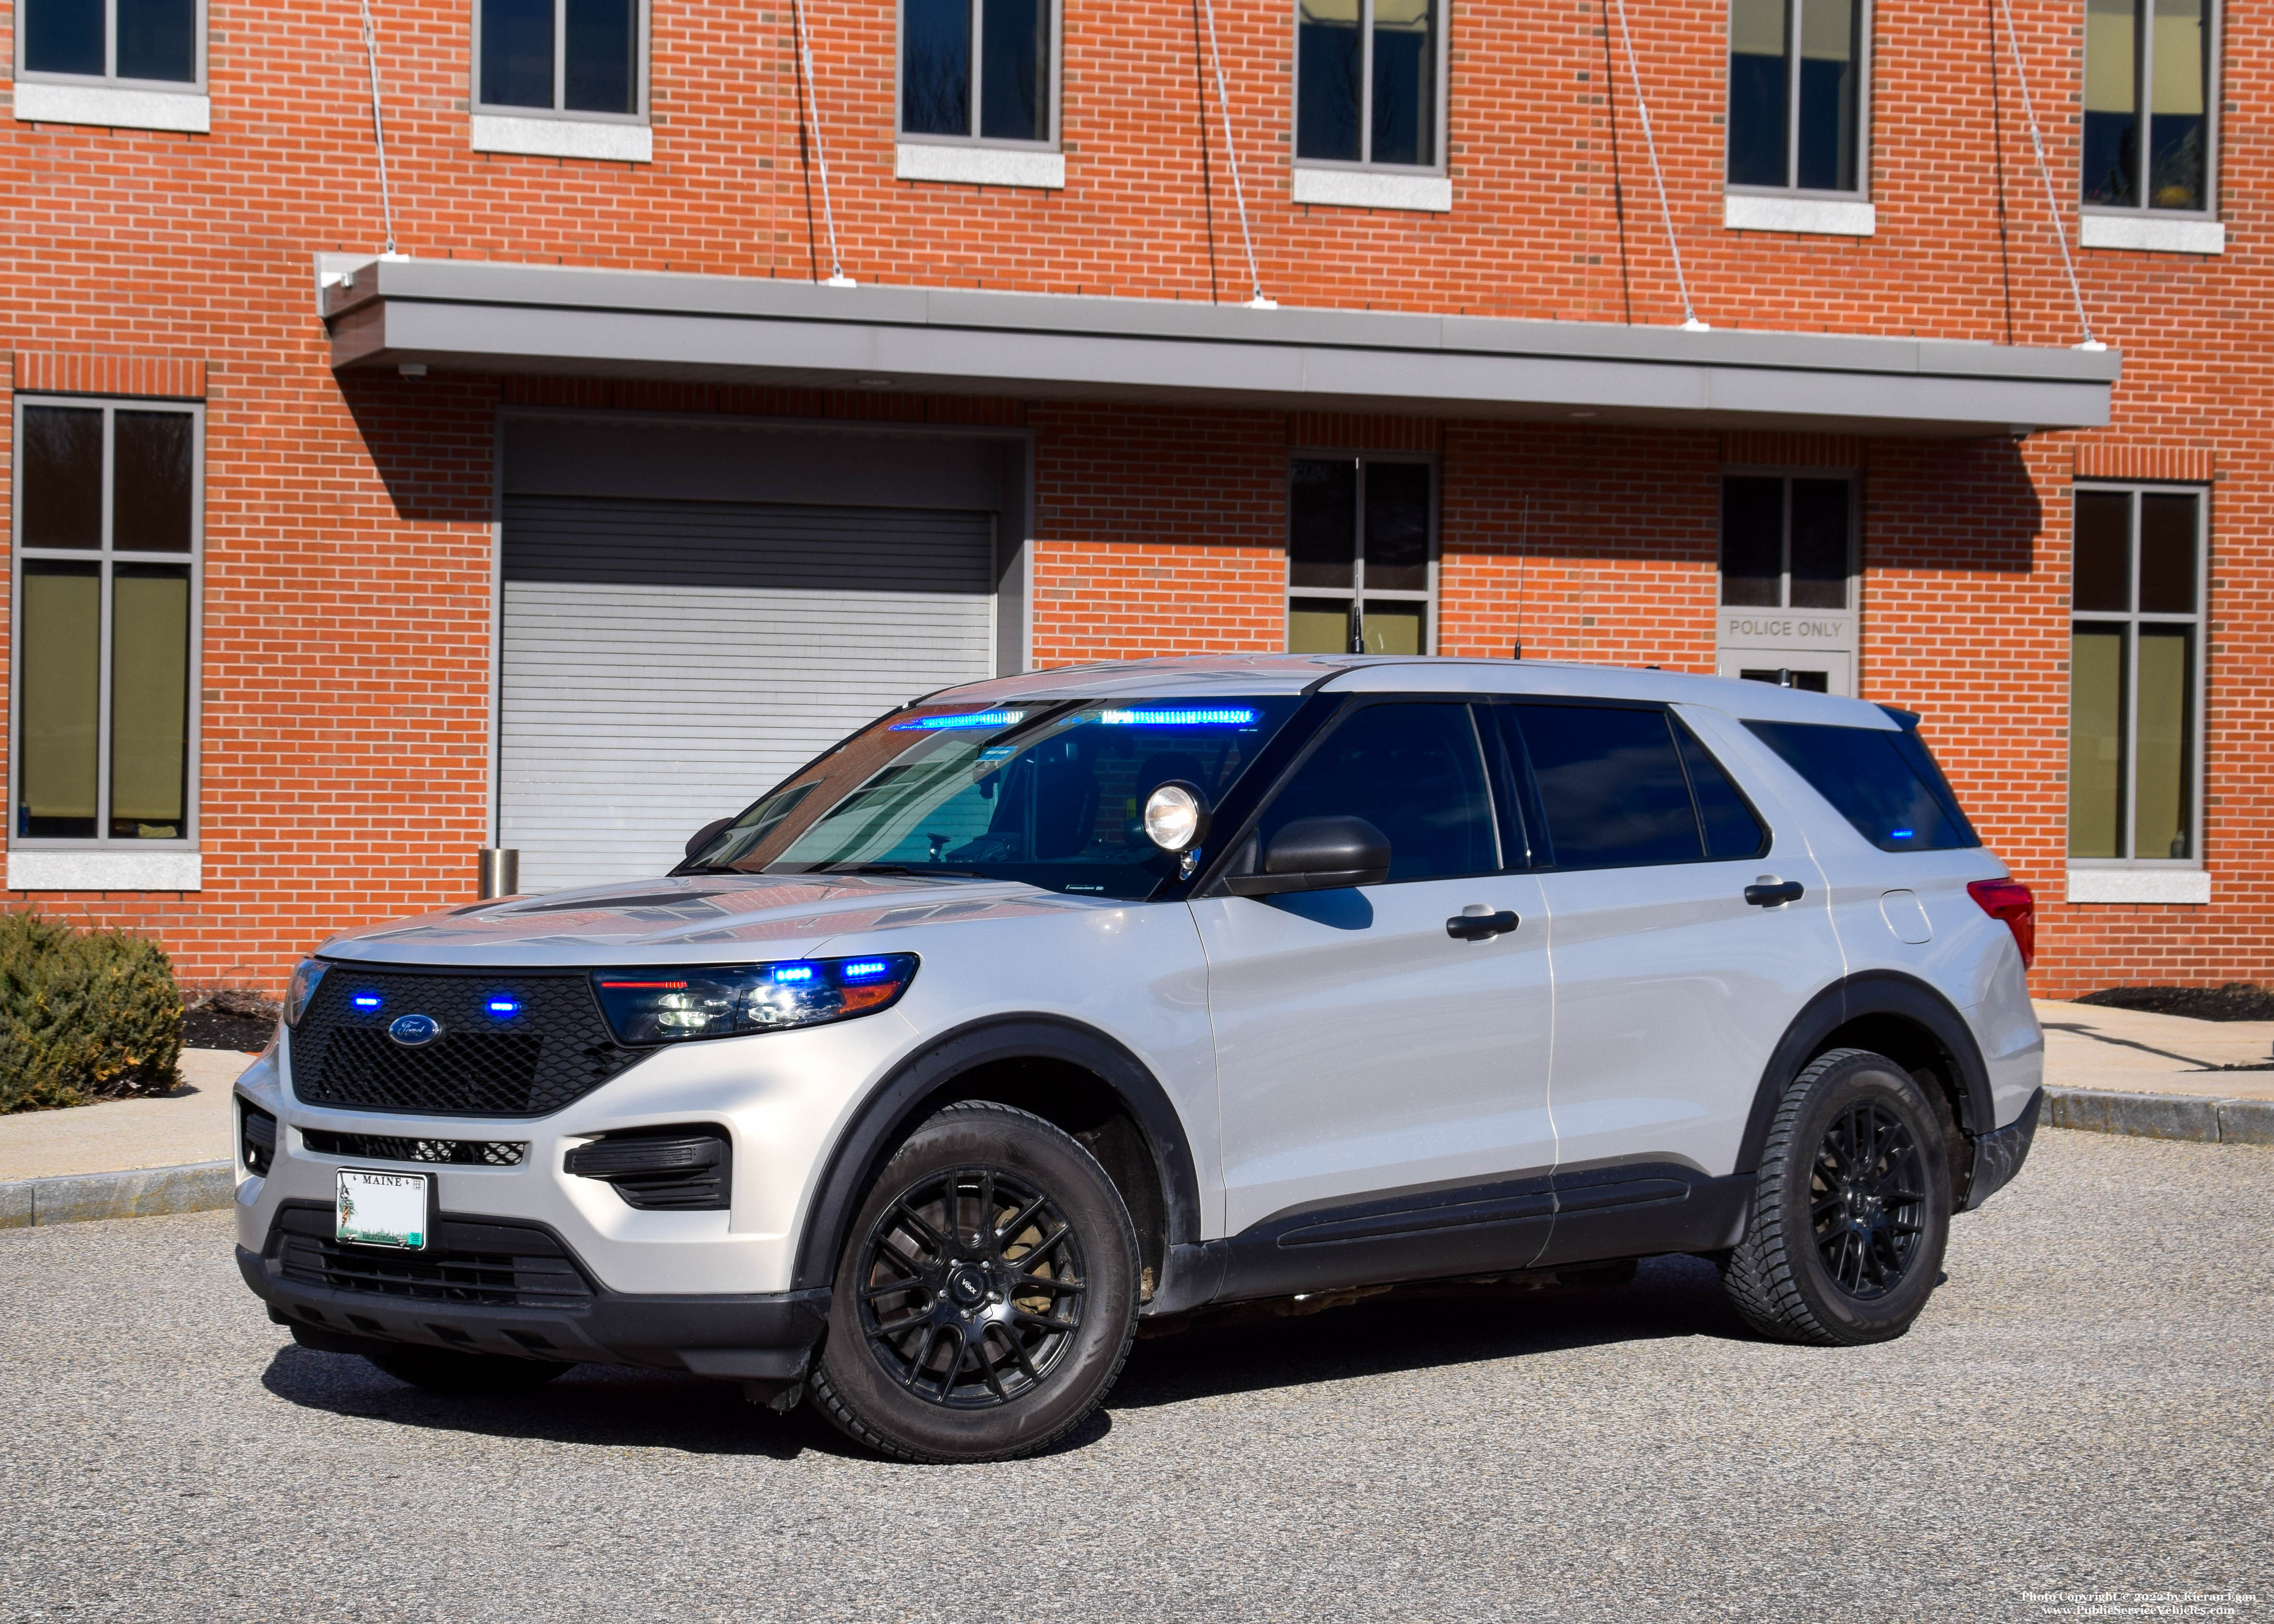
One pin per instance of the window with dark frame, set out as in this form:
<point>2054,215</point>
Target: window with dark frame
<point>978,71</point>
<point>568,56</point>
<point>121,42</point>
<point>1360,544</point>
<point>1796,77</point>
<point>1786,541</point>
<point>107,531</point>
<point>1369,79</point>
<point>2147,92</point>
<point>2135,677</point>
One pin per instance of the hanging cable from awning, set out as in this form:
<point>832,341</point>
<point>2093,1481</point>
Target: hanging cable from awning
<point>1231,152</point>
<point>378,132</point>
<point>837,277</point>
<point>1658,176</point>
<point>2045,174</point>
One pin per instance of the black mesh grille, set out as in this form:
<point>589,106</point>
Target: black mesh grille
<point>556,1048</point>
<point>499,1265</point>
<point>380,1147</point>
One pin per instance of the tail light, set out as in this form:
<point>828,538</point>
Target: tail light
<point>2010,900</point>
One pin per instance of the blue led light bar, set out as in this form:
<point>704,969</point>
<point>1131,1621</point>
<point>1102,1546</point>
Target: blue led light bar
<point>793,973</point>
<point>503,1007</point>
<point>972,718</point>
<point>1901,834</point>
<point>1207,716</point>
<point>365,1000</point>
<point>862,969</point>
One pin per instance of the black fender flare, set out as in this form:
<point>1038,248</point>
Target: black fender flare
<point>1871,992</point>
<point>895,1106</point>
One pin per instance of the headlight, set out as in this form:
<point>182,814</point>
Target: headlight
<point>722,1001</point>
<point>302,989</point>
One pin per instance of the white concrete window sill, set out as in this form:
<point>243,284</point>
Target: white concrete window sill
<point>113,107</point>
<point>564,137</point>
<point>1428,194</point>
<point>979,166</point>
<point>2139,885</point>
<point>1744,211</point>
<point>2145,233</point>
<point>105,871</point>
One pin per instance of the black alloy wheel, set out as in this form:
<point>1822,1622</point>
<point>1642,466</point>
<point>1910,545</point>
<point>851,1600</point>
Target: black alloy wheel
<point>986,1295</point>
<point>1851,1206</point>
<point>971,1287</point>
<point>1865,1196</point>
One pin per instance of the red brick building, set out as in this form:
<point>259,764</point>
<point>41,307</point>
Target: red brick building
<point>717,394</point>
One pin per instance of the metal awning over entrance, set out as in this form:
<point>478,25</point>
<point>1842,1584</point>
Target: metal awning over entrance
<point>469,316</point>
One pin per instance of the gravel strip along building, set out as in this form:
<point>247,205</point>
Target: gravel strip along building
<point>539,429</point>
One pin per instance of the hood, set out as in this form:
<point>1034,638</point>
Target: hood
<point>715,919</point>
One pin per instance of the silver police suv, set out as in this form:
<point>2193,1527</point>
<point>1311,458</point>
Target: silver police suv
<point>1046,1005</point>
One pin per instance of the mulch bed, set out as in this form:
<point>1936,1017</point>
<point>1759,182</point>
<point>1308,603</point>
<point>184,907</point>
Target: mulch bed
<point>211,1029</point>
<point>2235,1001</point>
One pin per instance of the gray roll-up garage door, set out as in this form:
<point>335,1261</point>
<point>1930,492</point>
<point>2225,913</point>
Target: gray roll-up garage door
<point>664,663</point>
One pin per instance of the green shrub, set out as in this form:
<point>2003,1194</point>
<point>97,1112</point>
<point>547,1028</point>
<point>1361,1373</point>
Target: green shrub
<point>84,1015</point>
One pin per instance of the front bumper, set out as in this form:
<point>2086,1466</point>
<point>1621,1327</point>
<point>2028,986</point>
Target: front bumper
<point>539,1301</point>
<point>1998,1154</point>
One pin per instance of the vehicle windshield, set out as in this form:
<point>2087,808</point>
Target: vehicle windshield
<point>1051,793</point>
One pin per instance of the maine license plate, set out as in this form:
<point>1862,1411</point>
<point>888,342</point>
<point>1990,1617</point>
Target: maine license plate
<point>382,1209</point>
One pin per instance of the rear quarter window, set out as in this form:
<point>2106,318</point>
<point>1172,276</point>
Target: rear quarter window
<point>1881,780</point>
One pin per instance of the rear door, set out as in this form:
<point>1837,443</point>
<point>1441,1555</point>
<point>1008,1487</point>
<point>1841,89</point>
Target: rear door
<point>1375,1069</point>
<point>1671,987</point>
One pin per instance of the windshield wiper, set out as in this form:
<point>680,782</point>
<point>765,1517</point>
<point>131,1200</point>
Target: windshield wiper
<point>960,874</point>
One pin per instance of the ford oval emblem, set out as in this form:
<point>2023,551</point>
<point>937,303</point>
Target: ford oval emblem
<point>414,1031</point>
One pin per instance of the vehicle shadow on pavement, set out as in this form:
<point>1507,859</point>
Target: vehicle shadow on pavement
<point>598,1405</point>
<point>1417,1330</point>
<point>1248,1352</point>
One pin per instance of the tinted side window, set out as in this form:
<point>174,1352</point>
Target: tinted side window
<point>1610,784</point>
<point>1415,772</point>
<point>1867,773</point>
<point>1731,829</point>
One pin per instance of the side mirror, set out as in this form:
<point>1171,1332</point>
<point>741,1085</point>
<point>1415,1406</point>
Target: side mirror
<point>703,836</point>
<point>1318,853</point>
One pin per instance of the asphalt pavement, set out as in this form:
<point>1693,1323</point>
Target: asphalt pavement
<point>2087,1407</point>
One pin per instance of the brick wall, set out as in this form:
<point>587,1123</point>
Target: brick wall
<point>347,604</point>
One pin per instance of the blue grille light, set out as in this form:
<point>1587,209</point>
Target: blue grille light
<point>1210,715</point>
<point>365,1000</point>
<point>504,1008</point>
<point>975,718</point>
<point>793,973</point>
<point>861,969</point>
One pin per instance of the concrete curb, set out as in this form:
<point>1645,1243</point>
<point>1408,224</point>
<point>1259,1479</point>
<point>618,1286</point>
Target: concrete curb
<point>145,1192</point>
<point>2162,1115</point>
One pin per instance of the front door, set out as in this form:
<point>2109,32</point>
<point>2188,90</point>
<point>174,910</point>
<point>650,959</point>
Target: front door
<point>1381,1077</point>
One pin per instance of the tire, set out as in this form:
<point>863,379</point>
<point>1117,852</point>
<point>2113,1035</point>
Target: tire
<point>443,1369</point>
<point>1851,1209</point>
<point>941,1347</point>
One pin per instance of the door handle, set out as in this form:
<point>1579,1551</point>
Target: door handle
<point>1480,927</point>
<point>1770,895</point>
